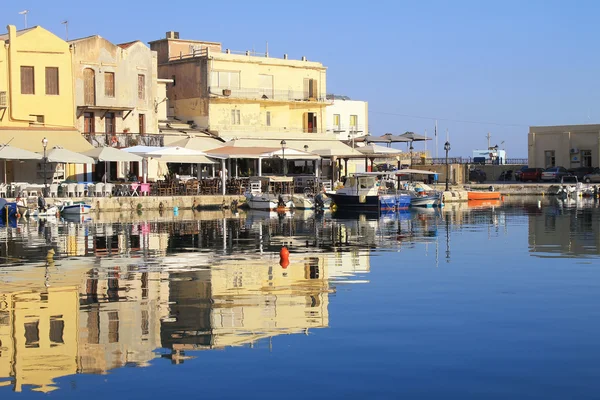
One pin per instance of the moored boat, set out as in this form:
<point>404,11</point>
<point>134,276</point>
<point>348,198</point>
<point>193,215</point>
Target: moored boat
<point>77,208</point>
<point>483,195</point>
<point>269,193</point>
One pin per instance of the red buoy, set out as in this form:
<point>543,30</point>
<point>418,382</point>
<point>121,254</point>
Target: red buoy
<point>284,252</point>
<point>284,257</point>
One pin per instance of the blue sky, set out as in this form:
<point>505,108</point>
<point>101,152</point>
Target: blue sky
<point>477,66</point>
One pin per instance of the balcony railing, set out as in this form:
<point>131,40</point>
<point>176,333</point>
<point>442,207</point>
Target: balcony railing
<point>123,139</point>
<point>268,94</point>
<point>466,160</point>
<point>3,99</point>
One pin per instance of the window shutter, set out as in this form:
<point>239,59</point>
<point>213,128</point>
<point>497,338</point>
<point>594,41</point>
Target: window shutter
<point>27,80</point>
<point>52,81</point>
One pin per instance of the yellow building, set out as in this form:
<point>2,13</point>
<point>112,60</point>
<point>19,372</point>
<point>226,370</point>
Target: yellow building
<point>36,96</point>
<point>243,94</point>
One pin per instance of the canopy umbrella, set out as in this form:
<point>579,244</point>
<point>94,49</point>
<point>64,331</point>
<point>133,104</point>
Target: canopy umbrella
<point>141,150</point>
<point>387,138</point>
<point>60,155</point>
<point>414,137</point>
<point>291,154</point>
<point>111,154</point>
<point>180,155</point>
<point>200,143</point>
<point>14,153</point>
<point>374,149</point>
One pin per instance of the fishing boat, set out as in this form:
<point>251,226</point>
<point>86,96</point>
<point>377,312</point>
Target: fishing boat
<point>269,193</point>
<point>360,192</point>
<point>74,208</point>
<point>308,201</point>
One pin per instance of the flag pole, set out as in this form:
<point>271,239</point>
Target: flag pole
<point>436,141</point>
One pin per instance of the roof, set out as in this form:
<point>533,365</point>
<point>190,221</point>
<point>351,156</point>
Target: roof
<point>4,36</point>
<point>323,147</point>
<point>128,44</point>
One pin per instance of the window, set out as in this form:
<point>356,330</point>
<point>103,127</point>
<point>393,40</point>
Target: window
<point>549,158</point>
<point>109,123</point>
<point>310,89</point>
<point>89,87</point>
<point>225,79</point>
<point>88,123</point>
<point>27,80</point>
<point>109,84</point>
<point>235,117</point>
<point>32,334</point>
<point>353,122</point>
<point>336,121</point>
<point>52,81</point>
<point>586,158</point>
<point>265,86</point>
<point>268,118</point>
<point>142,87</point>
<point>174,80</point>
<point>142,123</point>
<point>57,328</point>
<point>39,119</point>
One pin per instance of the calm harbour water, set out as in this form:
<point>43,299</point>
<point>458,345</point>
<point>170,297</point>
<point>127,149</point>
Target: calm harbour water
<point>488,301</point>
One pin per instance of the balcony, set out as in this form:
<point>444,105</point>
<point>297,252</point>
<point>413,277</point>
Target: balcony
<point>123,139</point>
<point>268,95</point>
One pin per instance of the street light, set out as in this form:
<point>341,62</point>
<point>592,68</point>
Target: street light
<point>411,148</point>
<point>45,144</point>
<point>283,156</point>
<point>447,148</point>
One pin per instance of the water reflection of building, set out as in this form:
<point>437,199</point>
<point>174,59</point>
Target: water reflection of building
<point>241,301</point>
<point>120,320</point>
<point>555,231</point>
<point>112,297</point>
<point>38,335</point>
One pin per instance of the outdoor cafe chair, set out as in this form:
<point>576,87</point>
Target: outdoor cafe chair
<point>108,189</point>
<point>98,189</point>
<point>145,189</point>
<point>71,189</point>
<point>80,188</point>
<point>54,190</point>
<point>134,189</point>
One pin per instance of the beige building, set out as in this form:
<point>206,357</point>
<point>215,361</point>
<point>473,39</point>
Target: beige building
<point>241,94</point>
<point>116,97</point>
<point>568,146</point>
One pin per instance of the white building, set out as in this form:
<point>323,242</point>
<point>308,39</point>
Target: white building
<point>347,118</point>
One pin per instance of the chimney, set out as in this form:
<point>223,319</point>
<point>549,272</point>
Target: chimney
<point>172,35</point>
<point>303,58</point>
<point>285,57</point>
<point>227,51</point>
<point>247,52</point>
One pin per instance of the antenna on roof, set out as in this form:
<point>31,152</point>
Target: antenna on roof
<point>24,13</point>
<point>66,24</point>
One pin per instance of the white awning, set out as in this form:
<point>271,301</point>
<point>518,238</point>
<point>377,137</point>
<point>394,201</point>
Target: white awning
<point>60,155</point>
<point>111,154</point>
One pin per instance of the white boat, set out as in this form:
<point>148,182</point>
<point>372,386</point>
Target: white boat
<point>269,193</point>
<point>71,208</point>
<point>50,212</point>
<point>310,202</point>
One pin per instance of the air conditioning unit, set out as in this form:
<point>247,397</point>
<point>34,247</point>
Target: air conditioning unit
<point>574,151</point>
<point>226,92</point>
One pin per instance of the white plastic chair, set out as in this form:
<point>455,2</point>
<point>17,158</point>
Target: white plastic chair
<point>71,190</point>
<point>80,190</point>
<point>99,189</point>
<point>108,189</point>
<point>54,190</point>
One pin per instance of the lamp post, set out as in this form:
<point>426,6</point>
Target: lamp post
<point>447,148</point>
<point>283,156</point>
<point>411,148</point>
<point>45,144</point>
